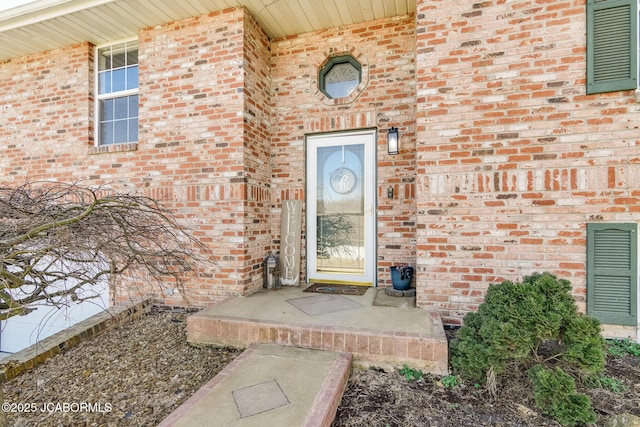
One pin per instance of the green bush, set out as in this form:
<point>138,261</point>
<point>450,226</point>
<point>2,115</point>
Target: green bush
<point>555,394</point>
<point>517,323</point>
<point>526,324</point>
<point>583,344</point>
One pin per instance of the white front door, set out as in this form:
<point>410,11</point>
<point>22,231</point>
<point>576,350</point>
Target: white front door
<point>341,211</point>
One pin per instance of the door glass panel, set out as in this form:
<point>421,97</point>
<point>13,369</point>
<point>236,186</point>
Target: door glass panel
<point>340,210</point>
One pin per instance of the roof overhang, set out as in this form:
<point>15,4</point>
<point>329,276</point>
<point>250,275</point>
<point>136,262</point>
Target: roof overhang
<point>43,25</point>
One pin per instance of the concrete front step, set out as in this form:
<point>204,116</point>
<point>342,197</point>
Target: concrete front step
<point>374,334</point>
<point>269,385</point>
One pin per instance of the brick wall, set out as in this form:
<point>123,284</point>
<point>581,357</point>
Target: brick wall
<point>203,144</point>
<point>504,158</point>
<point>385,48</point>
<point>257,152</point>
<point>45,111</point>
<point>191,137</point>
<point>513,159</point>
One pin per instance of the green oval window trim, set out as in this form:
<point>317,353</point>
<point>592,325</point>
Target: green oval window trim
<point>340,76</point>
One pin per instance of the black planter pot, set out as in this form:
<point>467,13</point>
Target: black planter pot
<point>401,277</point>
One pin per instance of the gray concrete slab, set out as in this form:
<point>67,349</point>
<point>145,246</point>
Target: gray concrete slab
<point>276,306</point>
<point>269,385</point>
<point>259,398</point>
<point>315,305</point>
<point>384,300</point>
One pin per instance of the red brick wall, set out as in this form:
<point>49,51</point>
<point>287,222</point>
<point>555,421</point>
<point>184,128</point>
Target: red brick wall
<point>203,145</point>
<point>504,158</point>
<point>257,152</point>
<point>386,48</point>
<point>191,136</point>
<point>513,159</point>
<point>45,106</point>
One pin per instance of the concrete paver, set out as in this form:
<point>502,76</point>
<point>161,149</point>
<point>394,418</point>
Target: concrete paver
<point>315,305</point>
<point>269,385</point>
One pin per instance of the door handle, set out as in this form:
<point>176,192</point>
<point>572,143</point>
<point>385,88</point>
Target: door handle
<point>370,210</point>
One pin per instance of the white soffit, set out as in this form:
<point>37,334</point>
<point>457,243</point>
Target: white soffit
<point>43,25</point>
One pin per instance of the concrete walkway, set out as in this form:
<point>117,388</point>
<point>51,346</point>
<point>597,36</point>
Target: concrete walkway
<point>269,385</point>
<point>300,348</point>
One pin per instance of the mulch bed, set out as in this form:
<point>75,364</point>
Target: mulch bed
<point>133,375</point>
<point>378,398</point>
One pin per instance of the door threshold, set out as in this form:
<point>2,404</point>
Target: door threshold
<point>339,282</point>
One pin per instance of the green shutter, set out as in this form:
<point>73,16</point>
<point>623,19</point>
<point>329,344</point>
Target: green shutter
<point>612,45</point>
<point>612,271</point>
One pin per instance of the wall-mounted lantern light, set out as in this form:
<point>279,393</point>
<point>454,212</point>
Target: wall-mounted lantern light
<point>392,141</point>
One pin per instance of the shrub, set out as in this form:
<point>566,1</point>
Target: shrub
<point>555,394</point>
<point>524,325</point>
<point>583,345</point>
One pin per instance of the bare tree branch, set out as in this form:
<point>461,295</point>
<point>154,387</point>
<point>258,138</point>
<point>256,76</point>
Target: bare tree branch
<point>57,240</point>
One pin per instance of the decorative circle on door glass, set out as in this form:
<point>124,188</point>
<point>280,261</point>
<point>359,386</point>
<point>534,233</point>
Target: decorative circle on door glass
<point>343,180</point>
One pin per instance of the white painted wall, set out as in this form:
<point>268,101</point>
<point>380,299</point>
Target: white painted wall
<point>19,332</point>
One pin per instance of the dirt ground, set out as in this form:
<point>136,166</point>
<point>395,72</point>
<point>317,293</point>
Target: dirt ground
<point>133,375</point>
<point>138,373</point>
<point>377,398</point>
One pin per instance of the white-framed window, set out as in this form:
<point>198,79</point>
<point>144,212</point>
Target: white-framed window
<point>117,89</point>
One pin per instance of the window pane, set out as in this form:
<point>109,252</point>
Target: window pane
<point>104,58</point>
<point>106,110</point>
<point>118,59</point>
<point>117,71</point>
<point>120,132</point>
<point>341,89</point>
<point>106,133</point>
<point>132,77</point>
<point>121,108</point>
<point>118,80</point>
<point>133,130</point>
<point>104,82</point>
<point>132,56</point>
<point>133,106</point>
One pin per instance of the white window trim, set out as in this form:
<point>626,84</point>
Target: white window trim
<point>99,97</point>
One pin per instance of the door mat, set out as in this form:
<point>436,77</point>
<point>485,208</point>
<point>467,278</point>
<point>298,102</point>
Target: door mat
<point>330,288</point>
